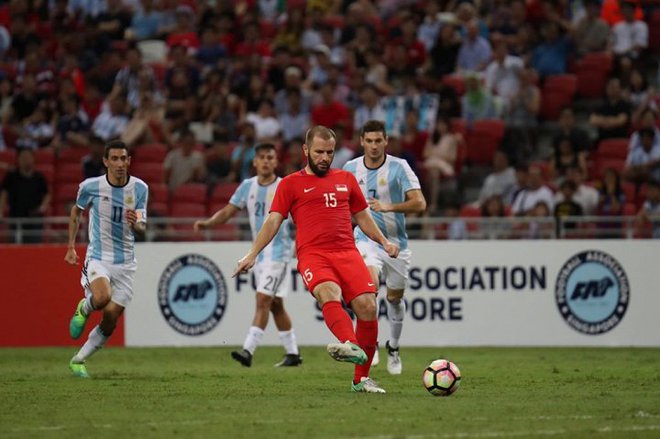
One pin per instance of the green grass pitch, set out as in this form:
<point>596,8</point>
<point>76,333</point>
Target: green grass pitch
<point>201,392</point>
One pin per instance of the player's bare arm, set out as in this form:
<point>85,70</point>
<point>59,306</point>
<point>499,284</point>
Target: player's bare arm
<point>139,227</point>
<point>220,217</point>
<point>71,256</point>
<point>415,203</point>
<point>268,231</point>
<point>369,227</point>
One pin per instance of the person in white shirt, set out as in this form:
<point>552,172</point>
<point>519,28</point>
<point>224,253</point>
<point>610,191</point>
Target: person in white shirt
<point>501,181</point>
<point>631,36</point>
<point>534,193</point>
<point>501,75</point>
<point>265,123</point>
<point>585,196</point>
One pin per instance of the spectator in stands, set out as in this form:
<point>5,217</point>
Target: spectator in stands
<point>292,81</point>
<point>128,79</point>
<point>329,112</point>
<point>501,182</point>
<point>92,163</point>
<point>647,121</point>
<point>477,103</point>
<point>566,155</point>
<point>613,118</point>
<point>376,71</point>
<point>592,33</point>
<point>429,29</point>
<point>631,36</point>
<point>611,197</point>
<point>567,206</point>
<point>585,195</point>
<point>444,54</point>
<point>145,24</point>
<point>568,129</point>
<point>72,125</point>
<point>218,162</point>
<point>502,74</point>
<point>295,121</point>
<point>290,32</point>
<point>311,36</point>
<point>538,226</point>
<point>294,156</point>
<point>320,65</point>
<point>412,138</point>
<point>643,162</point>
<point>184,164</point>
<point>343,153</point>
<point>25,192</point>
<point>243,154</point>
<point>148,123</point>
<point>415,50</point>
<point>498,227</point>
<point>551,56</point>
<point>457,227</point>
<point>266,125</point>
<point>641,96</point>
<point>211,51</point>
<point>533,193</point>
<point>220,116</point>
<point>252,43</point>
<point>440,155</point>
<point>24,102</point>
<point>36,132</point>
<point>394,148</point>
<point>110,25</point>
<point>475,51</point>
<point>523,107</point>
<point>650,211</point>
<point>370,108</point>
<point>184,33</point>
<point>112,120</point>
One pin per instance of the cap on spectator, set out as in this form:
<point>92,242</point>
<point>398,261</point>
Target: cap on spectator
<point>322,48</point>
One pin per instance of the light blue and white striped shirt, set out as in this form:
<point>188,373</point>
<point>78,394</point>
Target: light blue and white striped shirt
<point>110,236</point>
<point>257,199</point>
<point>388,184</point>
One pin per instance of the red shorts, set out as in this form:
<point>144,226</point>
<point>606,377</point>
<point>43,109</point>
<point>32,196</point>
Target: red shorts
<point>346,268</point>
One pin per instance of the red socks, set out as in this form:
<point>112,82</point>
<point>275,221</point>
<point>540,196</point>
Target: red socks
<point>339,322</point>
<point>367,337</point>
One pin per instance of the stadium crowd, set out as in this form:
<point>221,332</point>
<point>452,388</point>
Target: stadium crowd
<point>555,99</point>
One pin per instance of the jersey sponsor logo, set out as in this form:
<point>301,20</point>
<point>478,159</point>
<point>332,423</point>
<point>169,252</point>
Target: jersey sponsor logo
<point>309,189</point>
<point>592,292</point>
<point>341,188</point>
<point>192,294</point>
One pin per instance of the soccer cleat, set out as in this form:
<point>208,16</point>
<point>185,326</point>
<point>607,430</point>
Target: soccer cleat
<point>394,365</point>
<point>376,358</point>
<point>347,351</point>
<point>290,360</point>
<point>77,323</point>
<point>244,357</point>
<point>367,385</point>
<point>78,369</point>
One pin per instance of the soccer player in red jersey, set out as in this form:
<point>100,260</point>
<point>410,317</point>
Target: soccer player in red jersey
<point>321,202</point>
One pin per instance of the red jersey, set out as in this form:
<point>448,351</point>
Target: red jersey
<point>321,208</point>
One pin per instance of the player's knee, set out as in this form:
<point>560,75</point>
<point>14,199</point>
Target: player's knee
<point>277,306</point>
<point>365,309</point>
<point>394,297</point>
<point>101,299</point>
<point>264,302</point>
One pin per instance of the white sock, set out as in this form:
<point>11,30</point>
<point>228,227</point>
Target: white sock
<point>88,307</point>
<point>396,312</point>
<point>94,342</point>
<point>254,336</point>
<point>289,341</point>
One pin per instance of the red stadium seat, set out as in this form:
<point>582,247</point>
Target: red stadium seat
<point>151,173</point>
<point>72,155</point>
<point>613,149</point>
<point>592,72</point>
<point>457,82</point>
<point>44,156</point>
<point>187,210</point>
<point>159,193</point>
<point>149,153</point>
<point>483,140</point>
<point>601,164</point>
<point>222,192</point>
<point>190,193</point>
<point>158,208</point>
<point>558,92</point>
<point>66,192</point>
<point>68,173</point>
<point>8,156</point>
<point>225,232</point>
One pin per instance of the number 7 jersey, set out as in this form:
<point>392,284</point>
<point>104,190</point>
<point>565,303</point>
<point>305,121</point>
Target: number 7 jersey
<point>110,236</point>
<point>321,208</point>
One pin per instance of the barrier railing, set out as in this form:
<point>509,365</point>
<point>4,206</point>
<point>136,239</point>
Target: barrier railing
<point>54,229</point>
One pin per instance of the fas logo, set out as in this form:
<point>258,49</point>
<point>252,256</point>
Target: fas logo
<point>192,294</point>
<point>592,292</point>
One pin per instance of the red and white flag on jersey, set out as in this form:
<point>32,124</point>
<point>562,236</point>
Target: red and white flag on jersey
<point>341,188</point>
